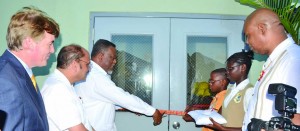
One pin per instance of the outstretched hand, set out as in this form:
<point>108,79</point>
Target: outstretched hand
<point>215,125</point>
<point>187,117</point>
<point>157,116</point>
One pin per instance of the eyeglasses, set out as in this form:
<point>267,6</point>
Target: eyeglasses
<point>231,68</point>
<point>88,64</point>
<point>213,81</point>
<point>246,39</point>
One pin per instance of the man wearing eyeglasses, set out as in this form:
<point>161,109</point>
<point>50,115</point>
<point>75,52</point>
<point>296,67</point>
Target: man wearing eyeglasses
<point>63,106</point>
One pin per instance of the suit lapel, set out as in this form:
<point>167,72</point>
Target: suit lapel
<point>27,85</point>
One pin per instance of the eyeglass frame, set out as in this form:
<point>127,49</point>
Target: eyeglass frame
<point>232,67</point>
<point>213,81</point>
<point>87,63</point>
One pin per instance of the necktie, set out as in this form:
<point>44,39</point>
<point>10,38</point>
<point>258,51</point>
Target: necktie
<point>34,82</point>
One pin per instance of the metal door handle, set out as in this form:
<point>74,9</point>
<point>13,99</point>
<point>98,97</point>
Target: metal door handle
<point>176,125</point>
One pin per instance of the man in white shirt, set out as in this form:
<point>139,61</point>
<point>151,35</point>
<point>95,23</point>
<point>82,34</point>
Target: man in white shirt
<point>63,106</point>
<point>100,95</point>
<point>266,35</point>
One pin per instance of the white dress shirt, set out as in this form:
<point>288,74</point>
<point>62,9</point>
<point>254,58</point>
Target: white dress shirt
<point>63,106</point>
<point>286,71</point>
<point>100,95</point>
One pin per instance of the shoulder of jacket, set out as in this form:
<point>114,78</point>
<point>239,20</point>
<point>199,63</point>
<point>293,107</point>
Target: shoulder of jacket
<point>3,63</point>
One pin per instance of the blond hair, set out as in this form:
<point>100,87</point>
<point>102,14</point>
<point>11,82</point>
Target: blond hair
<point>29,22</point>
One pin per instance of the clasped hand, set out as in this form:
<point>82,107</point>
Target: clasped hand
<point>157,118</point>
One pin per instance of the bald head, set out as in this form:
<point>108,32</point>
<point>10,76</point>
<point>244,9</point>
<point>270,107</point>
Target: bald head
<point>264,31</point>
<point>263,15</point>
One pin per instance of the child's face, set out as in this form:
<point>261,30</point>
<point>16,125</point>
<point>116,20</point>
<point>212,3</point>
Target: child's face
<point>233,71</point>
<point>216,82</point>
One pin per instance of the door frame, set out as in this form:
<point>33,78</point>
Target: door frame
<point>93,16</point>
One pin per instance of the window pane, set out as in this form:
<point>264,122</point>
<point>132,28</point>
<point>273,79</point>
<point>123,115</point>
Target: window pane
<point>133,71</point>
<point>204,54</point>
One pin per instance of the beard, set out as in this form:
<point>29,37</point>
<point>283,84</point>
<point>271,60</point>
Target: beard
<point>109,72</point>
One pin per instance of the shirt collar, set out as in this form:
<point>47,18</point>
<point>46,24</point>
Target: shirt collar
<point>278,50</point>
<point>220,93</point>
<point>28,70</point>
<point>62,77</point>
<point>98,68</point>
<point>242,85</point>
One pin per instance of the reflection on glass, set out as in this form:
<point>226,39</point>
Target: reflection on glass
<point>204,54</point>
<point>133,71</point>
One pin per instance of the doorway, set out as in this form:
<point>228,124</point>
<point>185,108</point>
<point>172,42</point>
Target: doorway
<point>161,57</point>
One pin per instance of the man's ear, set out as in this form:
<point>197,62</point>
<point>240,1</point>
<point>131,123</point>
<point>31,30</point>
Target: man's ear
<point>262,27</point>
<point>74,65</point>
<point>27,43</point>
<point>100,56</point>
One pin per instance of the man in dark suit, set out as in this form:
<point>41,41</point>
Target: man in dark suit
<point>30,37</point>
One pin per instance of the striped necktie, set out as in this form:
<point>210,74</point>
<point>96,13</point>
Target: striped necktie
<point>34,82</point>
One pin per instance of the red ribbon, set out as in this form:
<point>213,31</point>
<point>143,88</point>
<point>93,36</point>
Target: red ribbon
<point>172,112</point>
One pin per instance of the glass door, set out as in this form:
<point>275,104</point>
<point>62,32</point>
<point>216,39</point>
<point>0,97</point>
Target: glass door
<point>142,67</point>
<point>197,47</point>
